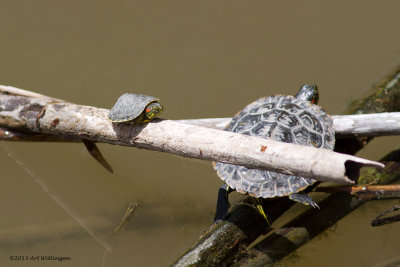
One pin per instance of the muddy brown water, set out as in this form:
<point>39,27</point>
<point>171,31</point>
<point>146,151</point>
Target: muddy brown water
<point>203,59</point>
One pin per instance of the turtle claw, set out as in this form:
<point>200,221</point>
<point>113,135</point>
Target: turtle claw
<point>304,199</point>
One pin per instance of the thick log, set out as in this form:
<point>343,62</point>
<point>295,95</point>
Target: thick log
<point>227,236</point>
<point>216,244</point>
<point>45,115</point>
<point>388,90</point>
<point>384,96</point>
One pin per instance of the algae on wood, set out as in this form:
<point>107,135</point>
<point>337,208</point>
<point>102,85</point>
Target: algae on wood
<point>385,97</point>
<point>388,90</point>
<point>312,222</point>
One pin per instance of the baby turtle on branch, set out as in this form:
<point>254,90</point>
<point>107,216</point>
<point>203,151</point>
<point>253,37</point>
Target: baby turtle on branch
<point>287,119</point>
<point>135,107</point>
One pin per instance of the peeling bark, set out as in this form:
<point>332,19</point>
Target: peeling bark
<point>49,116</point>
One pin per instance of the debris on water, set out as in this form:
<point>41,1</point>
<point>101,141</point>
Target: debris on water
<point>378,221</point>
<point>130,210</point>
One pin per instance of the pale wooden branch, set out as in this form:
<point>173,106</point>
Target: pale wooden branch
<point>374,124</point>
<point>11,90</point>
<point>46,115</point>
<point>383,98</point>
<point>371,125</point>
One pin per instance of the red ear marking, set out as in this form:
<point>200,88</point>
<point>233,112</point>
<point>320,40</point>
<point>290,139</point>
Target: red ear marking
<point>148,109</point>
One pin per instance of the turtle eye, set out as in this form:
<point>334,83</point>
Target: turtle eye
<point>153,110</point>
<point>315,96</point>
<point>149,113</point>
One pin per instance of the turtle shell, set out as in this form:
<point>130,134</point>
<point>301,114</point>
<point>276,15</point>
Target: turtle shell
<point>282,118</point>
<point>129,106</point>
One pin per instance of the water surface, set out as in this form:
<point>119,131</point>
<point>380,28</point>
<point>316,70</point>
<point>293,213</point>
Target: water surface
<point>203,59</point>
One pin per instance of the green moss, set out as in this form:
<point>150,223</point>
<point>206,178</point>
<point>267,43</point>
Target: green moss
<point>385,97</point>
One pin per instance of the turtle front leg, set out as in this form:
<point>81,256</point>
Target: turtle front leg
<point>303,199</point>
<point>222,203</point>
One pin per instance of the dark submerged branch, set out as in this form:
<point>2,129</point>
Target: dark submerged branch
<point>384,98</point>
<point>312,222</point>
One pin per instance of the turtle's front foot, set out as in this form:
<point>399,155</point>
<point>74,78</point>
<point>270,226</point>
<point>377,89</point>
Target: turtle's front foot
<point>304,199</point>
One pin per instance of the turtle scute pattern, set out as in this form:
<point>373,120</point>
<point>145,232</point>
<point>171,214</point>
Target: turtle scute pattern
<point>282,118</point>
<point>129,106</point>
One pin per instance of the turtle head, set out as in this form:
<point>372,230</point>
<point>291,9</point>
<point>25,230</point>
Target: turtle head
<point>152,110</point>
<point>308,93</point>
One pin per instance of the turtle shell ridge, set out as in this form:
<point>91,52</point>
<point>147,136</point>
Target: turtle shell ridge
<point>282,118</point>
<point>129,106</point>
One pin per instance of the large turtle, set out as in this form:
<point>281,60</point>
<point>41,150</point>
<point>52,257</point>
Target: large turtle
<point>135,107</point>
<point>288,119</point>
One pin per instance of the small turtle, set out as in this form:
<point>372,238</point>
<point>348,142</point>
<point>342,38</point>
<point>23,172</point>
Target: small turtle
<point>288,119</point>
<point>135,107</point>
